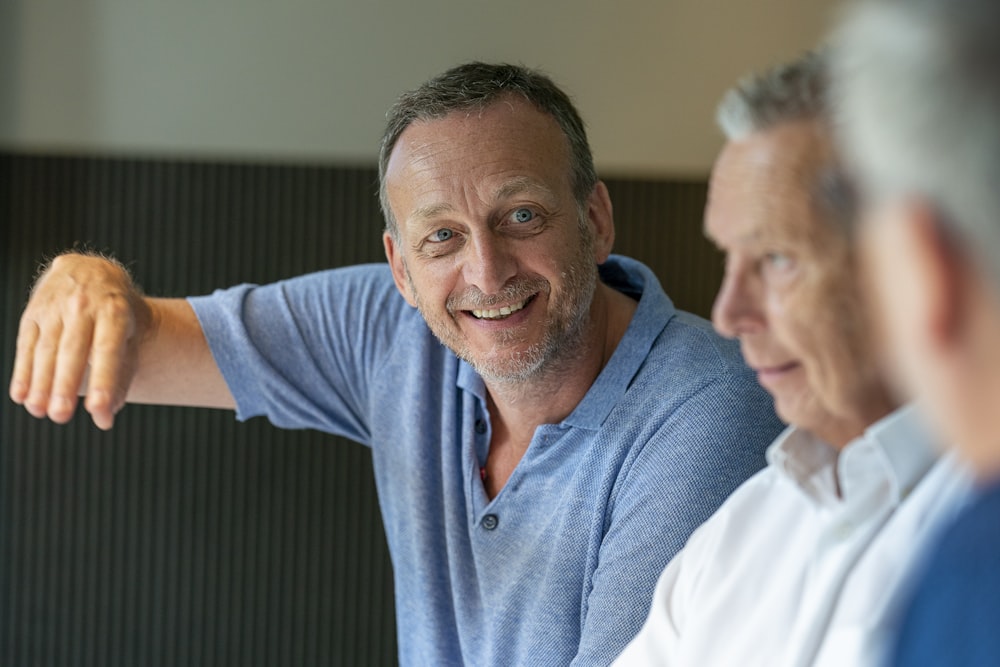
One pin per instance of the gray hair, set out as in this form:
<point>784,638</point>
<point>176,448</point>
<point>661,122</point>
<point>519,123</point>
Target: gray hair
<point>475,86</point>
<point>919,90</point>
<point>787,93</point>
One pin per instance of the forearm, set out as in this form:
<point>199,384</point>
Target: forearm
<point>175,364</point>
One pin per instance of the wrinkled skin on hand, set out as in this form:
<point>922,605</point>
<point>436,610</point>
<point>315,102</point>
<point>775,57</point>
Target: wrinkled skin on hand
<point>79,335</point>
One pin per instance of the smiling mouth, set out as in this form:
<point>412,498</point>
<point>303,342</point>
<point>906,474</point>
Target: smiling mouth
<point>500,313</point>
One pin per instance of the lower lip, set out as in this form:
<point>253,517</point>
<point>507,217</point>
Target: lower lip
<point>770,376</point>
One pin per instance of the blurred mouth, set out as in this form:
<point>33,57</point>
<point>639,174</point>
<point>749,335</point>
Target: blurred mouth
<point>770,374</point>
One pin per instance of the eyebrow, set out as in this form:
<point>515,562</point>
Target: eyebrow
<point>515,186</point>
<point>430,211</point>
<point>520,185</point>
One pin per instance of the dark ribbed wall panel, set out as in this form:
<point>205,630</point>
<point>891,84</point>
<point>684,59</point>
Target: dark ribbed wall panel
<point>660,223</point>
<point>183,537</point>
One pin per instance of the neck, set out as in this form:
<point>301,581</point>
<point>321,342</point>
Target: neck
<point>842,429</point>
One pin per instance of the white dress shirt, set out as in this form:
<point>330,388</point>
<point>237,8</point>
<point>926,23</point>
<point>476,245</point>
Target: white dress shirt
<point>796,569</point>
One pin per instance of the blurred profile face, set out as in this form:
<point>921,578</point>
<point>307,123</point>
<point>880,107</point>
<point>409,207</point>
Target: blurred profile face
<point>894,286</point>
<point>790,292</point>
<point>938,310</point>
<point>492,245</point>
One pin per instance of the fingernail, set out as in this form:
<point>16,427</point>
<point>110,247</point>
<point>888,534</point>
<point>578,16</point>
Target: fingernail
<point>17,390</point>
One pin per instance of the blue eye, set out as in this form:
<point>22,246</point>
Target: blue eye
<point>442,235</point>
<point>778,260</point>
<point>523,215</point>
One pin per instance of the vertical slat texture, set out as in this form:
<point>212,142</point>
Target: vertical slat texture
<point>182,536</point>
<point>660,223</point>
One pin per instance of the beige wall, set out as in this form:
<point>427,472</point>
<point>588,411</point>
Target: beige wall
<point>311,80</point>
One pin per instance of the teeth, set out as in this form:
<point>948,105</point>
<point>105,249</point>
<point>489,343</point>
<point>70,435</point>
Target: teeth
<point>499,314</point>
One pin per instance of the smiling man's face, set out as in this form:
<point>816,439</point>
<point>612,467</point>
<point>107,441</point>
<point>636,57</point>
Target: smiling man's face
<point>491,246</point>
<point>790,292</point>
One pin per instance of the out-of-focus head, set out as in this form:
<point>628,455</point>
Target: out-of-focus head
<point>918,85</point>
<point>781,209</point>
<point>474,87</point>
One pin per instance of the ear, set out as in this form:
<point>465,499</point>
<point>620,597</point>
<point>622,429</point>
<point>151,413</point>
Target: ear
<point>602,221</point>
<point>941,272</point>
<point>395,257</point>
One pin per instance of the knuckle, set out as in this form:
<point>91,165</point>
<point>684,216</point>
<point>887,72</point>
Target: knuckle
<point>46,345</point>
<point>77,303</point>
<point>117,306</point>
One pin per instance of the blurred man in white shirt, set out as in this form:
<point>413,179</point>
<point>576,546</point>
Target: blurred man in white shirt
<point>802,565</point>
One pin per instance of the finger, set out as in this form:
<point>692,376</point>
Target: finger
<point>42,367</point>
<point>71,364</point>
<point>110,372</point>
<point>20,378</point>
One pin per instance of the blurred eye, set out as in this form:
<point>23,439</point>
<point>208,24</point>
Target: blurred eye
<point>778,267</point>
<point>523,215</point>
<point>442,235</point>
<point>778,261</point>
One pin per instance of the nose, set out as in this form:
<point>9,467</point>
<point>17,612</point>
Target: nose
<point>490,264</point>
<point>737,309</point>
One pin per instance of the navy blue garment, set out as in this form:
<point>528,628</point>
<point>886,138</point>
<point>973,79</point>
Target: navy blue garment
<point>954,617</point>
<point>561,564</point>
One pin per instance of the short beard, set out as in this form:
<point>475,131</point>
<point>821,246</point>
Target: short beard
<point>561,344</point>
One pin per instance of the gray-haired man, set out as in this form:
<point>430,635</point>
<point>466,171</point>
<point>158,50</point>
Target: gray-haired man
<point>802,564</point>
<point>920,84</point>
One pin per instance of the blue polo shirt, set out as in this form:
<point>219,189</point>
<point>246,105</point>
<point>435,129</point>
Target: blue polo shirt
<point>561,565</point>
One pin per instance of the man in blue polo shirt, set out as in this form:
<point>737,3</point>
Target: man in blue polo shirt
<point>546,428</point>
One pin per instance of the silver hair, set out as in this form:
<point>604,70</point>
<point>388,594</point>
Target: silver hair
<point>918,85</point>
<point>788,93</point>
<point>785,93</point>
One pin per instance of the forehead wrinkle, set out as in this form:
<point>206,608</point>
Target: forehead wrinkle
<point>430,211</point>
<point>769,185</point>
<point>521,185</point>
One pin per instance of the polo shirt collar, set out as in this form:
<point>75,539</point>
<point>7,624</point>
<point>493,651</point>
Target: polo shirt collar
<point>652,313</point>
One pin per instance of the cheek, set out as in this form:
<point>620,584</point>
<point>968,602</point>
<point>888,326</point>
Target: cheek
<point>887,295</point>
<point>784,311</point>
<point>431,284</point>
<point>816,325</point>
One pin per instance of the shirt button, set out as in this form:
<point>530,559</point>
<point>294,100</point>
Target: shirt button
<point>480,426</point>
<point>491,521</point>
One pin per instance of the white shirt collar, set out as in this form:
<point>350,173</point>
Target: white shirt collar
<point>895,450</point>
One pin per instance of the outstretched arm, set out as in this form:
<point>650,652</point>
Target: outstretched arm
<point>88,331</point>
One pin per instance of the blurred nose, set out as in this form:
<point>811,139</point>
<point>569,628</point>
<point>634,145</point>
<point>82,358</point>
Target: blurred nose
<point>490,264</point>
<point>737,309</point>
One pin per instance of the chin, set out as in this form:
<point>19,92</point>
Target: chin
<point>799,412</point>
<point>508,372</point>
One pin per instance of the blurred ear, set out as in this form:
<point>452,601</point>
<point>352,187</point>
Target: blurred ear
<point>602,221</point>
<point>940,272</point>
<point>395,257</point>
